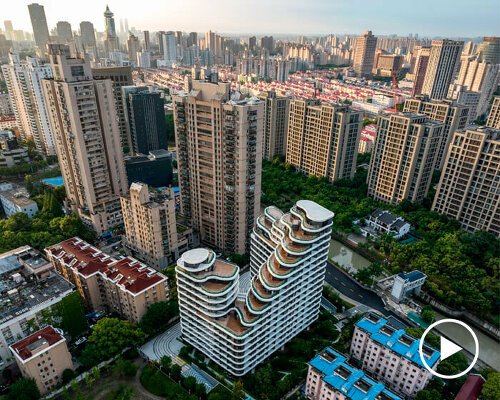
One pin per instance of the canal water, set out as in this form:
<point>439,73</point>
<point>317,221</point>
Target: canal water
<point>489,349</point>
<point>346,258</point>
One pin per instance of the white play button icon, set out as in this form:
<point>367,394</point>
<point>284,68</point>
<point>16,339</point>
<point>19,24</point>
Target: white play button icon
<point>448,348</point>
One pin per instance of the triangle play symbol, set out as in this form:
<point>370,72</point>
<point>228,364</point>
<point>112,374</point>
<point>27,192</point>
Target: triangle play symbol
<point>448,348</point>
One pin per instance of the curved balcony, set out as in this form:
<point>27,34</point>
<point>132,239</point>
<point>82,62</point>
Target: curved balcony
<point>246,318</point>
<point>306,225</point>
<point>276,269</point>
<point>263,223</point>
<point>268,281</point>
<point>254,305</point>
<point>260,291</point>
<point>218,270</point>
<point>217,288</point>
<point>298,235</point>
<point>285,258</point>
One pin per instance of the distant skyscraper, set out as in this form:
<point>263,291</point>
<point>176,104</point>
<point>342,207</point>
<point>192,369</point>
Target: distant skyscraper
<point>420,68</point>
<point>169,48</point>
<point>64,33</point>
<point>24,85</point>
<point>146,119</point>
<point>404,157</point>
<point>364,53</point>
<point>267,42</point>
<point>144,59</point>
<point>468,188</point>
<point>323,139</point>
<point>87,35</point>
<point>87,136</point>
<point>494,116</point>
<point>9,30</point>
<point>489,50</point>
<point>147,42</point>
<point>443,63</point>
<point>132,48</point>
<point>111,39</point>
<point>159,39</point>
<point>252,43</point>
<point>120,76</point>
<point>39,24</point>
<point>276,110</point>
<point>219,143</point>
<point>192,39</point>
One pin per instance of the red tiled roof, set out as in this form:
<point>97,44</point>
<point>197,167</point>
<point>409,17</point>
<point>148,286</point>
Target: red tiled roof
<point>48,333</point>
<point>471,389</point>
<point>87,260</point>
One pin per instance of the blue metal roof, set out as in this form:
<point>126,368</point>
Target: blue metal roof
<point>347,386</point>
<point>413,276</point>
<point>392,342</point>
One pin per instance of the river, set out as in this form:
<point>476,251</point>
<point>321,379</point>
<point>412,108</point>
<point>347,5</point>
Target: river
<point>345,257</point>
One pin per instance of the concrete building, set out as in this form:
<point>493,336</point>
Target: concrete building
<point>391,356</point>
<point>444,60</point>
<point>489,50</point>
<point>407,284</point>
<point>494,115</point>
<point>387,64</point>
<point>143,59</point>
<point>24,83</point>
<point>133,47</point>
<point>169,48</point>
<point>468,189</point>
<point>87,36</point>
<point>323,139</point>
<point>111,43</point>
<point>150,226</point>
<point>420,68</point>
<point>83,116</point>
<point>276,110</point>
<point>64,32</point>
<point>10,152</point>
<point>239,325</point>
<point>364,53</point>
<point>125,286</point>
<point>451,113</point>
<point>382,221</point>
<point>404,157</point>
<point>155,169</point>
<point>120,76</point>
<point>219,144</point>
<point>329,376</point>
<point>15,198</point>
<point>39,25</point>
<point>29,288</point>
<point>43,356</point>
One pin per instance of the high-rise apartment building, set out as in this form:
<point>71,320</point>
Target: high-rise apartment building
<point>391,356</point>
<point>323,139</point>
<point>489,50</point>
<point>468,189</point>
<point>276,110</point>
<point>40,29</point>
<point>83,118</point>
<point>120,76</point>
<point>452,114</point>
<point>147,42</point>
<point>9,30</point>
<point>420,68</point>
<point>111,43</point>
<point>494,115</point>
<point>150,225</point>
<point>444,60</point>
<point>133,47</point>
<point>238,326</point>
<point>125,286</point>
<point>404,157</point>
<point>87,36</point>
<point>219,142</point>
<point>192,39</point>
<point>364,53</point>
<point>24,84</point>
<point>64,32</point>
<point>169,48</point>
<point>43,356</point>
<point>145,117</point>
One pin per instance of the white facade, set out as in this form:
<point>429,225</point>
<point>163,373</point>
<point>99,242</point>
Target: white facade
<point>288,258</point>
<point>405,284</point>
<point>24,85</point>
<point>144,59</point>
<point>16,199</point>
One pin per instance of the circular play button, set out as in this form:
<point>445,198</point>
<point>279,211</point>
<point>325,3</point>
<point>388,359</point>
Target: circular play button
<point>448,348</point>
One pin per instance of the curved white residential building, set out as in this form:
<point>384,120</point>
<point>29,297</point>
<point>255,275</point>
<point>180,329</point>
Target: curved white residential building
<point>288,258</point>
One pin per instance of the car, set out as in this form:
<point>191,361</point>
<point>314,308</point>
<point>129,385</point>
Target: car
<point>81,341</point>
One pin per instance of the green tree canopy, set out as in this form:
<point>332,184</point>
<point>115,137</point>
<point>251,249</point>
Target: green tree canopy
<point>24,389</point>
<point>158,315</point>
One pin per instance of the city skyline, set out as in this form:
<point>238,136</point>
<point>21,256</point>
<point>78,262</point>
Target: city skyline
<point>449,18</point>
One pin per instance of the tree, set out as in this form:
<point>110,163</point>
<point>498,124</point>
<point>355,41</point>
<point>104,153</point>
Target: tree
<point>96,372</point>
<point>237,392</point>
<point>166,363</point>
<point>89,357</point>
<point>428,395</point>
<point>175,372</point>
<point>200,390</point>
<point>112,335</point>
<point>189,383</point>
<point>89,380</point>
<point>125,367</point>
<point>491,388</point>
<point>24,389</point>
<point>70,311</point>
<point>51,207</point>
<point>67,375</point>
<point>157,316</point>
<point>427,315</point>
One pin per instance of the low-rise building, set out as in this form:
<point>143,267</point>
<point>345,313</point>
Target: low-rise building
<point>471,389</point>
<point>407,284</point>
<point>124,285</point>
<point>43,356</point>
<point>15,198</point>
<point>8,122</point>
<point>330,377</point>
<point>28,288</point>
<point>392,356</point>
<point>10,152</point>
<point>382,221</point>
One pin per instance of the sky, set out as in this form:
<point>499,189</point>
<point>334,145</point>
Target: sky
<point>430,18</point>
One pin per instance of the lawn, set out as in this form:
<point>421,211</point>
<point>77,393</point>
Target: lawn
<point>159,384</point>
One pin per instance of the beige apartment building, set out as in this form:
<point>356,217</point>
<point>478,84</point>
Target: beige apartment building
<point>150,226</point>
<point>43,356</point>
<point>276,110</point>
<point>323,139</point>
<point>87,138</point>
<point>442,65</point>
<point>125,286</point>
<point>494,116</point>
<point>219,147</point>
<point>469,188</point>
<point>421,54</point>
<point>453,114</point>
<point>404,157</point>
<point>364,53</point>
